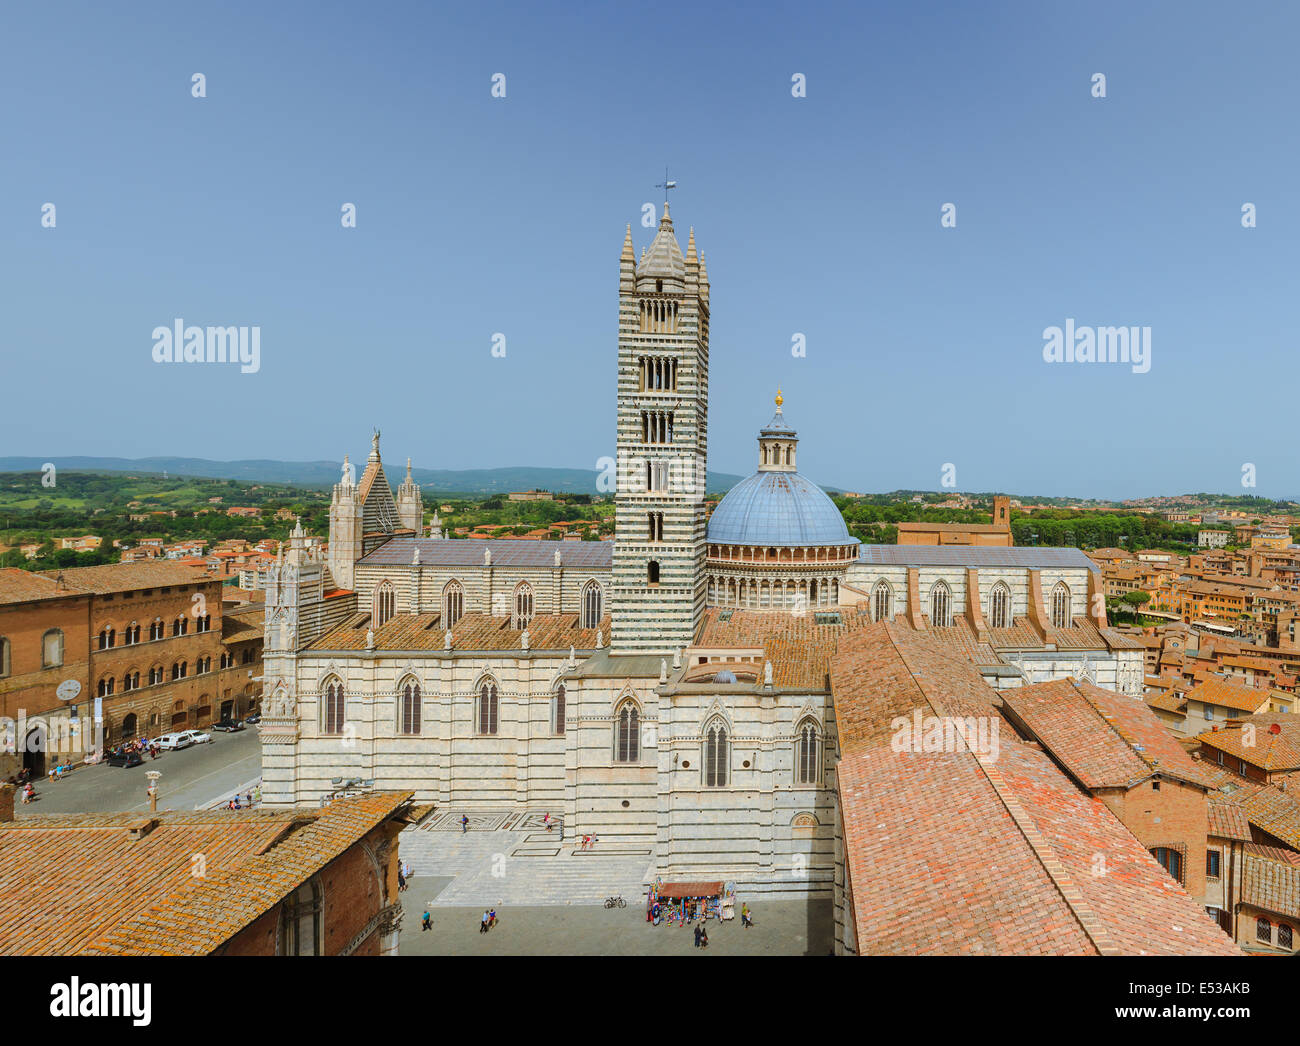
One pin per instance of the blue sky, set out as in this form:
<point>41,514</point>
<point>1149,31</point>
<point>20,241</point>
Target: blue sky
<point>818,215</point>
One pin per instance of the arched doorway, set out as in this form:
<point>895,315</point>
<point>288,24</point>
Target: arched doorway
<point>34,746</point>
<point>129,726</point>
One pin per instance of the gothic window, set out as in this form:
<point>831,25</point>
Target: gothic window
<point>652,572</point>
<point>52,648</point>
<point>203,623</point>
<point>105,688</point>
<point>410,694</point>
<point>940,605</point>
<point>1061,617</point>
<point>300,932</point>
<point>1284,936</point>
<point>155,675</point>
<point>523,605</point>
<point>131,635</point>
<point>487,708</point>
<point>557,710</point>
<point>106,637</point>
<point>593,604</point>
<point>1263,930</point>
<point>655,528</point>
<point>807,754</point>
<point>180,626</point>
<point>453,604</point>
<point>717,756</point>
<point>385,603</point>
<point>882,602</point>
<point>180,669</point>
<point>334,706</point>
<point>156,630</point>
<point>4,657</point>
<point>131,681</point>
<point>1000,606</point>
<point>627,734</point>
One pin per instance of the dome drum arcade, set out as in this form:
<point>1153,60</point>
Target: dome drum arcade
<point>777,540</point>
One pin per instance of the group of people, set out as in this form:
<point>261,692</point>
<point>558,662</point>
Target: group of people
<point>250,798</point>
<point>141,745</point>
<point>489,920</point>
<point>588,842</point>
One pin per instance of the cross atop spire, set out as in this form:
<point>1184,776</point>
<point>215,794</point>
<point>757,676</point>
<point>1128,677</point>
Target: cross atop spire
<point>665,185</point>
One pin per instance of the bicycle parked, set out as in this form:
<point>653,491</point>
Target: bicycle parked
<point>615,902</point>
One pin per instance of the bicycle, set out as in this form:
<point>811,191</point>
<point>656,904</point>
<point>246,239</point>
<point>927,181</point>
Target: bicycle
<point>615,902</point>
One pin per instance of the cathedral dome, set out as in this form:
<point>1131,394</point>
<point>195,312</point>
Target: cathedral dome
<point>779,509</point>
<point>776,506</point>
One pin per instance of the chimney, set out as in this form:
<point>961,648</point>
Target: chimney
<point>6,802</point>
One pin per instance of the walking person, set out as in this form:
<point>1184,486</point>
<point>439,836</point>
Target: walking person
<point>428,922</point>
<point>704,935</point>
<point>483,926</point>
<point>464,824</point>
<point>745,920</point>
<point>401,880</point>
<point>492,917</point>
<point>697,935</point>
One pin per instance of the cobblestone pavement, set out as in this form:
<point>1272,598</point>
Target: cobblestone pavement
<point>507,859</point>
<point>780,928</point>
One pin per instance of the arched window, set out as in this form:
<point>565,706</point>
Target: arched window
<point>882,602</point>
<point>106,637</point>
<point>1284,936</point>
<point>105,688</point>
<point>652,572</point>
<point>385,602</point>
<point>807,754</point>
<point>557,710</point>
<point>180,626</point>
<point>523,605</point>
<point>593,604</point>
<point>155,675</point>
<point>300,925</point>
<point>940,605</point>
<point>717,756</point>
<point>156,630</point>
<point>333,706</point>
<point>130,681</point>
<point>129,724</point>
<point>627,734</point>
<point>410,695</point>
<point>487,708</point>
<point>453,604</point>
<point>4,657</point>
<point>131,634</point>
<point>1061,617</point>
<point>1000,606</point>
<point>1263,930</point>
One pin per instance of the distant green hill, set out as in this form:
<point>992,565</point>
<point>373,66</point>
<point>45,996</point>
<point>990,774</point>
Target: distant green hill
<point>324,473</point>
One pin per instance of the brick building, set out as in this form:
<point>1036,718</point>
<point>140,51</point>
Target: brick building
<point>291,882</point>
<point>138,646</point>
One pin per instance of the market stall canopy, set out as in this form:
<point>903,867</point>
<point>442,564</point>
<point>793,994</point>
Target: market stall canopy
<point>674,891</point>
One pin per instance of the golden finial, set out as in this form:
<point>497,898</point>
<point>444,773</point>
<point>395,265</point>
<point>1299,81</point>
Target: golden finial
<point>779,398</point>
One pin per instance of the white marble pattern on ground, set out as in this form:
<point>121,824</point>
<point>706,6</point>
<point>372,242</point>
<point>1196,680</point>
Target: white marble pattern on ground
<point>484,872</point>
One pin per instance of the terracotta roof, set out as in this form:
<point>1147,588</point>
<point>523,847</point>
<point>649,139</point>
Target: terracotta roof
<point>1268,883</point>
<point>1257,744</point>
<point>1269,809</point>
<point>976,556</point>
<point>955,852</point>
<point>1216,690</point>
<point>1228,820</point>
<point>126,577</point>
<point>468,552</point>
<point>472,632</point>
<point>124,883</point>
<point>24,586</point>
<point>1103,739</point>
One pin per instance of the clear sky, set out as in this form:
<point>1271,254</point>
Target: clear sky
<point>817,215</point>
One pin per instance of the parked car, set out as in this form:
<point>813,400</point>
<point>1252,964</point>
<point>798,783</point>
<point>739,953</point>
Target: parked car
<point>183,739</point>
<point>228,726</point>
<point>252,718</point>
<point>126,759</point>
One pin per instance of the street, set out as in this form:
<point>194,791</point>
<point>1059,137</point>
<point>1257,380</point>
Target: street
<point>190,778</point>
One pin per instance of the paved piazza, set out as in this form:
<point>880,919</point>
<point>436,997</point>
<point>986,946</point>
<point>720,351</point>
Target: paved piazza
<point>549,897</point>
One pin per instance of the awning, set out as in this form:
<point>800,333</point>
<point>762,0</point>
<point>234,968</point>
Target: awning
<point>672,891</point>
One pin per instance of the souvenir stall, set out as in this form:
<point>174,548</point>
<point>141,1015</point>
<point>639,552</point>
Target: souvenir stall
<point>683,903</point>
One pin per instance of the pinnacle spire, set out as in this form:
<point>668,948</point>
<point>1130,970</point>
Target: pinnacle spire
<point>628,254</point>
<point>691,256</point>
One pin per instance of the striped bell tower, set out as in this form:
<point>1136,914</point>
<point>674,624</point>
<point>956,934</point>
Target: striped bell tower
<point>663,408</point>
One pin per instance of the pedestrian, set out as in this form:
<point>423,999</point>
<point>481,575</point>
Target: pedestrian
<point>586,841</point>
<point>492,917</point>
<point>704,935</point>
<point>546,820</point>
<point>483,926</point>
<point>697,935</point>
<point>745,919</point>
<point>249,797</point>
<point>401,880</point>
<point>427,924</point>
<point>464,824</point>
<point>593,841</point>
<point>236,802</point>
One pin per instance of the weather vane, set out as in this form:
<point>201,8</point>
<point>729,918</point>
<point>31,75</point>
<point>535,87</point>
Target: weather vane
<point>665,185</point>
